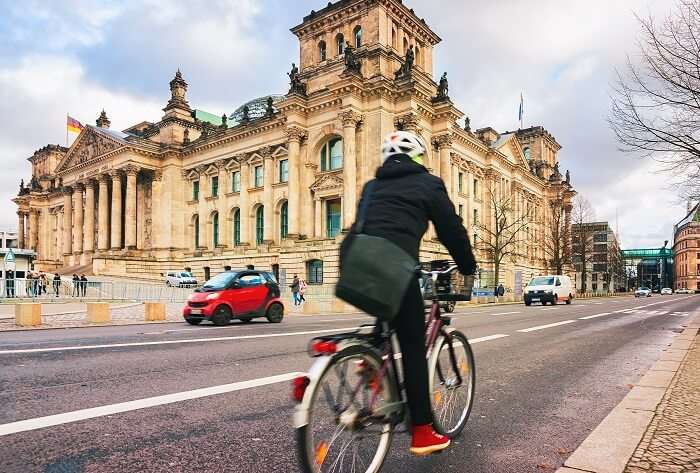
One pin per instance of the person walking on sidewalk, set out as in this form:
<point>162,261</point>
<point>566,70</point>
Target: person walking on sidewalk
<point>302,290</point>
<point>83,284</point>
<point>56,283</point>
<point>295,289</point>
<point>43,283</point>
<point>76,285</point>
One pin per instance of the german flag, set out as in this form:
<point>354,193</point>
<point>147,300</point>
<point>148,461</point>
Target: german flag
<point>73,125</point>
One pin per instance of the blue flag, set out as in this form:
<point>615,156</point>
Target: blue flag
<point>521,110</point>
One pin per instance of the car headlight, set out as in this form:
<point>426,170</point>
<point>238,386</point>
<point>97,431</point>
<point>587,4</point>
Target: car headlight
<point>549,291</point>
<point>212,296</point>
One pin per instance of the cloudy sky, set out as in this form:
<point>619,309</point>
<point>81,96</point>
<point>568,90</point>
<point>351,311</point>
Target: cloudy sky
<point>80,56</point>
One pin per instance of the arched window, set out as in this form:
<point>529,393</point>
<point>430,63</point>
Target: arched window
<point>321,51</point>
<point>526,152</point>
<point>332,155</point>
<point>418,56</point>
<point>405,45</point>
<point>394,43</point>
<point>314,271</point>
<point>284,218</point>
<point>259,224</point>
<point>340,43</point>
<point>215,228</point>
<point>357,33</point>
<point>195,223</point>
<point>236,227</point>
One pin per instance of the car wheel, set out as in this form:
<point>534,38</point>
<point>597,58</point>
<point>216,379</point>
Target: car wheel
<point>544,302</point>
<point>450,307</point>
<point>275,313</point>
<point>555,300</point>
<point>245,320</point>
<point>194,321</point>
<point>527,303</point>
<point>222,315</point>
<point>568,300</point>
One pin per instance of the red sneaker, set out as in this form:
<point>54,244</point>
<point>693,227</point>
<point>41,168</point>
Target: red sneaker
<point>426,441</point>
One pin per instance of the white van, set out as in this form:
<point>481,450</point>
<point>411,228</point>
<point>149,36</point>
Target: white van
<point>552,289</point>
<point>180,279</point>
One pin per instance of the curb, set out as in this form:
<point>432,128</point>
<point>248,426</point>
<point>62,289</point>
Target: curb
<point>125,306</point>
<point>611,445</point>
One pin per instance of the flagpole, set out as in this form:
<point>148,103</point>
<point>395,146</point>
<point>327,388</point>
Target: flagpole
<point>66,129</point>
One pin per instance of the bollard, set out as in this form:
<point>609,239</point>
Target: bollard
<point>338,306</point>
<point>154,311</point>
<point>310,307</point>
<point>98,313</point>
<point>28,315</point>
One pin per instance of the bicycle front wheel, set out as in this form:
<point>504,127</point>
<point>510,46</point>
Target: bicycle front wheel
<point>345,430</point>
<point>452,381</point>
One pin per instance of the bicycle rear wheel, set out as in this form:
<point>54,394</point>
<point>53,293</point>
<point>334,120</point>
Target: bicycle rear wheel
<point>342,434</point>
<point>452,381</point>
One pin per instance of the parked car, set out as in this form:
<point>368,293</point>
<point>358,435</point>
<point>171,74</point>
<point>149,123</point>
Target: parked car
<point>180,279</point>
<point>242,294</point>
<point>683,290</point>
<point>667,291</point>
<point>642,292</point>
<point>426,284</point>
<point>552,289</point>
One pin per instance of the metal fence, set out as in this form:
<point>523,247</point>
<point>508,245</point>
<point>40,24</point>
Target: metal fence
<point>93,290</point>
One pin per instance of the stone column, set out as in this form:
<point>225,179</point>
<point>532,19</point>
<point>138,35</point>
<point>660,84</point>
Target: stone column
<point>103,214</point>
<point>295,136</point>
<point>67,221</point>
<point>243,201</point>
<point>130,208</point>
<point>78,227</point>
<point>318,218</point>
<point>32,229</point>
<point>444,143</point>
<point>89,216</point>
<point>268,213</point>
<point>20,230</point>
<point>160,217</point>
<point>116,220</point>
<point>350,120</point>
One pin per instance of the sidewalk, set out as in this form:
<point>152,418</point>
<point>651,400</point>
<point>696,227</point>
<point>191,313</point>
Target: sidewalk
<point>656,427</point>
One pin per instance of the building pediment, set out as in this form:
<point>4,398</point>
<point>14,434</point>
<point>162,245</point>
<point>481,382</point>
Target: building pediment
<point>90,146</point>
<point>326,182</point>
<point>509,146</point>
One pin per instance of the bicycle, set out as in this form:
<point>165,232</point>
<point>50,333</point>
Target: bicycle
<point>352,397</point>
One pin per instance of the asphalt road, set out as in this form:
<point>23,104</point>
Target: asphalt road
<point>541,388</point>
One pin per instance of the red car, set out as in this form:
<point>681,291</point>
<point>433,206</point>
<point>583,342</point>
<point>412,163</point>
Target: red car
<point>243,295</point>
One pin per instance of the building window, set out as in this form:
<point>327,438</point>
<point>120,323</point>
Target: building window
<point>594,286</point>
<point>236,181</point>
<point>405,45</point>
<point>314,270</point>
<point>195,190</point>
<point>284,170</point>
<point>195,223</point>
<point>237,227</point>
<point>526,152</point>
<point>215,229</point>
<point>418,56</point>
<point>474,239</point>
<point>215,186</point>
<point>461,211</point>
<point>322,51</point>
<point>460,183</point>
<point>332,155</point>
<point>333,213</point>
<point>340,43</point>
<point>357,32</point>
<point>475,217</point>
<point>284,221</point>
<point>476,188</point>
<point>394,44</point>
<point>258,176</point>
<point>259,224</point>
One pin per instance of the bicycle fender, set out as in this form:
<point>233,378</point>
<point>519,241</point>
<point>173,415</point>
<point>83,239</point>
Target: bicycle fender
<point>301,414</point>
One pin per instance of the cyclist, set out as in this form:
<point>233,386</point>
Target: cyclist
<point>405,197</point>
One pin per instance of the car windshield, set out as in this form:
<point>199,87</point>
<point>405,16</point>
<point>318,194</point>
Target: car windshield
<point>219,282</point>
<point>643,289</point>
<point>185,275</point>
<point>542,281</point>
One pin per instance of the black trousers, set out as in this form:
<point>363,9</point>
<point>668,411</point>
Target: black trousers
<point>410,329</point>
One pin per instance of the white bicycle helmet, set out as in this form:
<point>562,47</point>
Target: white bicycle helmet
<point>403,142</point>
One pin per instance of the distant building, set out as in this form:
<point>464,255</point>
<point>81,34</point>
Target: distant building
<point>648,267</point>
<point>686,246</point>
<point>595,245</point>
<point>23,257</point>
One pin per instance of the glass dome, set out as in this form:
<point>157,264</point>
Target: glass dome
<point>256,109</point>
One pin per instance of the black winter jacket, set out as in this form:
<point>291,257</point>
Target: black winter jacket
<point>405,197</point>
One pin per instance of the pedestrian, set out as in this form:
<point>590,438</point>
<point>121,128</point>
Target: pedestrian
<point>28,284</point>
<point>10,283</point>
<point>56,283</point>
<point>302,290</point>
<point>295,289</point>
<point>43,282</point>
<point>76,286</point>
<point>83,284</point>
<point>501,290</point>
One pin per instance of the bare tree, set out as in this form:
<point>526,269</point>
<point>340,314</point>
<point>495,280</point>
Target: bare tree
<point>499,237</point>
<point>556,238</point>
<point>582,231</point>
<point>656,104</point>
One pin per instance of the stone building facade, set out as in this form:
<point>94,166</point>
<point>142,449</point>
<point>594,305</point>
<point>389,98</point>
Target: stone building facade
<point>604,267</point>
<point>276,182</point>
<point>686,250</point>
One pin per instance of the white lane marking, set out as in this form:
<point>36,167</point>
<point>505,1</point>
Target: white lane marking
<point>506,313</point>
<point>172,342</point>
<point>548,308</point>
<point>598,303</point>
<point>91,413</point>
<point>594,316</point>
<point>540,327</point>
<point>487,338</point>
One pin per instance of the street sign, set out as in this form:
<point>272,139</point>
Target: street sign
<point>10,260</point>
